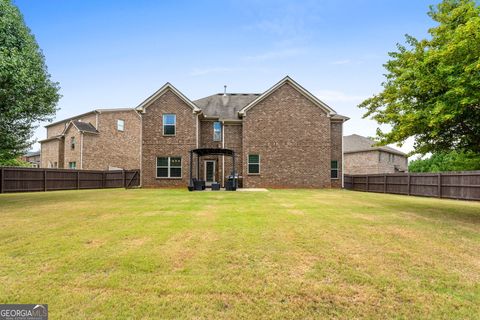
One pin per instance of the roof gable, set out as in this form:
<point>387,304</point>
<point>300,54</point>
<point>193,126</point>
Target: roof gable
<point>166,87</point>
<point>225,106</point>
<point>81,127</point>
<point>357,143</point>
<point>296,86</point>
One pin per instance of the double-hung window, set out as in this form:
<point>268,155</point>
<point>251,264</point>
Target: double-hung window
<point>334,169</point>
<point>72,165</point>
<point>72,143</point>
<point>217,131</point>
<point>169,167</point>
<point>253,164</point>
<point>120,125</point>
<point>169,124</point>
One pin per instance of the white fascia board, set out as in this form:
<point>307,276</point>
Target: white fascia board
<point>142,106</point>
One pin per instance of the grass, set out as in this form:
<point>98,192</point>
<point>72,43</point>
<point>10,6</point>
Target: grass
<point>115,254</point>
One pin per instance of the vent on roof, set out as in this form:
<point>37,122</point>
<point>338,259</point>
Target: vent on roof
<point>225,90</point>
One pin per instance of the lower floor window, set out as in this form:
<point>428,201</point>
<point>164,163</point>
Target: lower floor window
<point>72,165</point>
<point>169,167</point>
<point>334,169</point>
<point>253,164</point>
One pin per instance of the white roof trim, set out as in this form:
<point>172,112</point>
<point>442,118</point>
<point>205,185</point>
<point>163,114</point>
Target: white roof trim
<point>167,86</point>
<point>302,90</point>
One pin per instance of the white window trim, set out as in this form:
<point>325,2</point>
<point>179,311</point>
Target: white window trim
<point>163,124</point>
<point>168,168</point>
<point>123,125</point>
<point>220,133</point>
<point>248,164</point>
<point>336,169</point>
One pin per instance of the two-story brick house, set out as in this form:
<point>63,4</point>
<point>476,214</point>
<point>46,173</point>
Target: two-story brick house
<point>362,156</point>
<point>284,137</point>
<point>100,139</point>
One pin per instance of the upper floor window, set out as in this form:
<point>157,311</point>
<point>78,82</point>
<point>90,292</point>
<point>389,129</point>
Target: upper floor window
<point>72,143</point>
<point>217,131</point>
<point>253,164</point>
<point>169,167</point>
<point>120,125</point>
<point>169,124</point>
<point>391,157</point>
<point>334,169</point>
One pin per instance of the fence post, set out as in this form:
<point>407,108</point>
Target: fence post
<point>123,177</point>
<point>2,175</point>
<point>384,183</point>
<point>439,185</point>
<point>103,180</point>
<point>78,180</point>
<point>44,179</point>
<point>367,184</point>
<point>408,184</point>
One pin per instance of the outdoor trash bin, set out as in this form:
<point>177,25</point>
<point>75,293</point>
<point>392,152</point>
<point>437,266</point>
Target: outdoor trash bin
<point>215,186</point>
<point>231,184</point>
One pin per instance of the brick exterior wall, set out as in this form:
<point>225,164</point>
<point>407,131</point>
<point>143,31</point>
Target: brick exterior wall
<point>109,148</point>
<point>155,144</point>
<point>113,148</point>
<point>292,137</point>
<point>336,131</point>
<point>233,140</point>
<point>72,155</point>
<point>206,141</point>
<point>58,128</point>
<point>51,151</point>
<point>373,162</point>
<point>296,141</point>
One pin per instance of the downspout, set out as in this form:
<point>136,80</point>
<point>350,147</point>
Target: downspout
<point>81,150</point>
<point>223,156</point>
<point>141,150</point>
<point>343,162</point>
<point>196,133</point>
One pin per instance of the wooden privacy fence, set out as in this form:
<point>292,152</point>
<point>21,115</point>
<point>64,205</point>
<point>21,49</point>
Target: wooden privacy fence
<point>453,185</point>
<point>16,179</point>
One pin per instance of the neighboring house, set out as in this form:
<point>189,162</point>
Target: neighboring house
<point>32,157</point>
<point>98,140</point>
<point>284,137</point>
<point>361,156</point>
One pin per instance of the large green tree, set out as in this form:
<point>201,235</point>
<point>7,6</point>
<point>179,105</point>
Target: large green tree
<point>446,161</point>
<point>27,95</point>
<point>432,86</point>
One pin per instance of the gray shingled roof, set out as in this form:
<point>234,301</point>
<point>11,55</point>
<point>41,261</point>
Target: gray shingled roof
<point>225,107</point>
<point>356,143</point>
<point>84,126</point>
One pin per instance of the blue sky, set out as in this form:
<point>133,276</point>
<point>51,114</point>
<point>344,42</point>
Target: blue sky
<point>108,54</point>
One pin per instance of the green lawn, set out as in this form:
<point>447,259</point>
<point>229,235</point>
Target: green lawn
<point>114,254</point>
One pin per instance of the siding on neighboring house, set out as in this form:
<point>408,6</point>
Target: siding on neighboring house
<point>104,149</point>
<point>361,156</point>
<point>111,148</point>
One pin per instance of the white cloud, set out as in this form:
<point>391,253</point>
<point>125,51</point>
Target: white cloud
<point>338,96</point>
<point>204,71</point>
<point>277,54</point>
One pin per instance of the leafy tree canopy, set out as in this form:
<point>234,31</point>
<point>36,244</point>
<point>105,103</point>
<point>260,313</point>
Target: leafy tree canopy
<point>446,161</point>
<point>432,86</point>
<point>27,95</point>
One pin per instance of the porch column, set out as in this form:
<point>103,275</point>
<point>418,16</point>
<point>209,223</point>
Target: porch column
<point>191,167</point>
<point>198,166</point>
